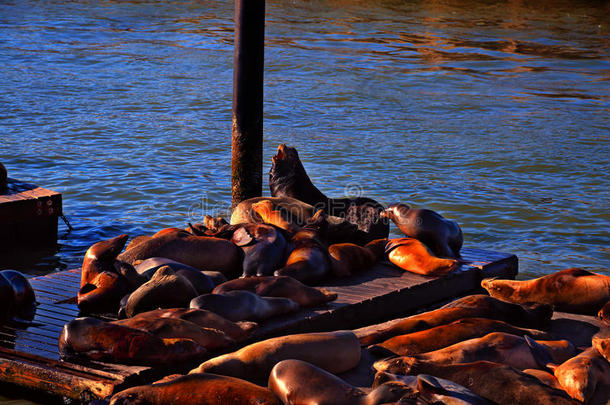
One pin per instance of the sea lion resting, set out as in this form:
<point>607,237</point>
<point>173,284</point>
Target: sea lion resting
<point>149,266</point>
<point>334,352</point>
<point>279,286</point>
<point>472,306</point>
<point>106,341</point>
<point>412,255</point>
<point>197,389</point>
<point>288,178</point>
<point>18,298</point>
<point>442,236</point>
<point>582,374</point>
<point>515,351</point>
<point>241,305</point>
<point>496,382</point>
<point>445,335</point>
<point>349,258</point>
<point>601,342</point>
<point>571,290</point>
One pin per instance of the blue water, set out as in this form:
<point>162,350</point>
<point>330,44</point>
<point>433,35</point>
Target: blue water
<point>495,114</point>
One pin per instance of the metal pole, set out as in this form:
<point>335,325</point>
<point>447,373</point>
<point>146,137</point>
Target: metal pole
<point>247,132</point>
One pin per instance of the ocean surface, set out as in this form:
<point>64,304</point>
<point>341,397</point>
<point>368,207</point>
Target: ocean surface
<point>494,113</point>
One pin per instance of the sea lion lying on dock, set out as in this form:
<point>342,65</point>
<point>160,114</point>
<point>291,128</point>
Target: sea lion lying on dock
<point>515,351</point>
<point>582,374</point>
<point>200,252</point>
<point>496,382</point>
<point>288,178</point>
<point>197,389</point>
<point>571,290</point>
<point>334,352</point>
<point>149,266</point>
<point>18,298</point>
<point>412,255</point>
<point>472,306</point>
<point>104,341</point>
<point>446,335</point>
<point>348,258</point>
<point>279,286</point>
<point>265,248</point>
<point>442,236</point>
<point>243,305</point>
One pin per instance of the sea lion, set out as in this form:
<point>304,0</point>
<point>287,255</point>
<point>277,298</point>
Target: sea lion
<point>601,342</point>
<point>472,306</point>
<point>502,348</point>
<point>309,260</point>
<point>279,286</point>
<point>349,258</point>
<point>604,313</point>
<point>207,319</point>
<point>200,252</point>
<point>571,290</point>
<point>412,255</point>
<point>3,178</point>
<point>137,240</point>
<point>165,289</point>
<point>442,236</point>
<point>580,375</point>
<point>243,305</point>
<point>103,294</point>
<point>265,248</point>
<point>446,335</point>
<point>104,341</point>
<point>335,352</point>
<point>7,299</point>
<point>197,389</point>
<point>176,328</point>
<point>496,382</point>
<point>22,307</point>
<point>288,178</point>
<point>297,382</point>
<point>272,216</point>
<point>544,377</point>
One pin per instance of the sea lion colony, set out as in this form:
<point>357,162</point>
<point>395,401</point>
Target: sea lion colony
<point>180,298</point>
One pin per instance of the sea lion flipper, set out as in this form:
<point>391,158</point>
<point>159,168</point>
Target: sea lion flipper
<point>541,356</point>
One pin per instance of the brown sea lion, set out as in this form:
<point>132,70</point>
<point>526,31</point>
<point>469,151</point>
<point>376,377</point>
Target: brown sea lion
<point>297,382</point>
<point>207,319</point>
<point>580,375</point>
<point>502,348</point>
<point>22,306</point>
<point>272,216</point>
<point>103,294</point>
<point>265,248</point>
<point>335,352</point>
<point>571,290</point>
<point>165,289</point>
<point>176,328</point>
<point>445,335</point>
<point>604,313</point>
<point>3,178</point>
<point>197,389</point>
<point>472,306</point>
<point>104,341</point>
<point>200,252</point>
<point>243,305</point>
<point>412,255</point>
<point>601,342</point>
<point>137,240</point>
<point>288,178</point>
<point>349,258</point>
<point>101,257</point>
<point>544,377</point>
<point>279,286</point>
<point>442,236</point>
<point>309,260</point>
<point>496,382</point>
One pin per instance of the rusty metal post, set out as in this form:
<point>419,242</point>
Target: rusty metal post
<point>247,132</point>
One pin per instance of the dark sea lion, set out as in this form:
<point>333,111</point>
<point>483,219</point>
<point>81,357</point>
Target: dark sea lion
<point>604,313</point>
<point>496,382</point>
<point>200,252</point>
<point>472,306</point>
<point>197,389</point>
<point>103,294</point>
<point>309,260</point>
<point>165,289</point>
<point>412,255</point>
<point>502,348</point>
<point>176,328</point>
<point>582,374</point>
<point>335,352</point>
<point>288,178</point>
<point>571,290</point>
<point>202,283</point>
<point>265,248</point>
<point>442,236</point>
<point>297,382</point>
<point>279,286</point>
<point>7,300</point>
<point>446,335</point>
<point>24,299</point>
<point>601,342</point>
<point>104,341</point>
<point>208,319</point>
<point>349,258</point>
<point>244,305</point>
<point>3,178</point>
<point>436,390</point>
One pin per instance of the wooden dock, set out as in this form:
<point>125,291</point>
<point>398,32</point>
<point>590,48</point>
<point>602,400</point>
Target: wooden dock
<point>29,356</point>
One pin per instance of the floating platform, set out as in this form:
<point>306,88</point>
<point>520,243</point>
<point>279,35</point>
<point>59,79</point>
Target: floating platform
<point>28,218</point>
<point>29,357</point>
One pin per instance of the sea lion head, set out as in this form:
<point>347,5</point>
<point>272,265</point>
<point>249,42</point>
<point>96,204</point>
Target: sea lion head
<point>395,211</point>
<point>287,171</point>
<point>498,288</point>
<point>107,250</point>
